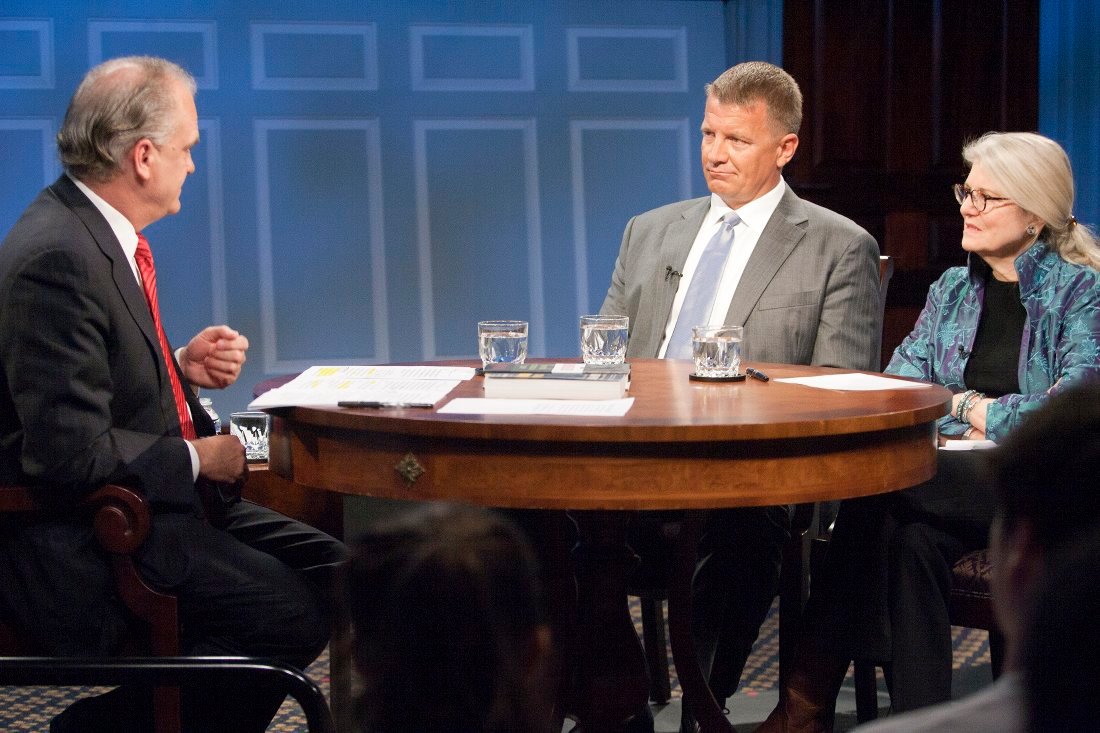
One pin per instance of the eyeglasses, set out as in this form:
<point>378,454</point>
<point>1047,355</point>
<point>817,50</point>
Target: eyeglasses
<point>977,197</point>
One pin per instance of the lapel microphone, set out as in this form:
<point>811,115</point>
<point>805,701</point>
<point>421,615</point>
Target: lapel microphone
<point>670,273</point>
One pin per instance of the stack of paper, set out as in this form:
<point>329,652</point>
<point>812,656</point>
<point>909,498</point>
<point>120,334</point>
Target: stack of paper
<point>330,385</point>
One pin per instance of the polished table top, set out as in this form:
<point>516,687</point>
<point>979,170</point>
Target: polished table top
<point>684,444</point>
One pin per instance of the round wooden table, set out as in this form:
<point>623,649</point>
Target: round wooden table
<point>683,445</point>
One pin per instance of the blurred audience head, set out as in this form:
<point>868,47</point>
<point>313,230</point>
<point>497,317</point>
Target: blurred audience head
<point>448,625</point>
<point>1045,477</point>
<point>1061,646</point>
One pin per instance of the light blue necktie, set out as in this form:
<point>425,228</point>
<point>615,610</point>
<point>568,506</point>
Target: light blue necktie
<point>699,300</point>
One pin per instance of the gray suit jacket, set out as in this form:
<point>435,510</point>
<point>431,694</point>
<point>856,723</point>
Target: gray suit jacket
<point>809,293</point>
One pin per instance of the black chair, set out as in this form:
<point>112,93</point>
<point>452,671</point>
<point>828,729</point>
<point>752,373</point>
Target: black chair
<point>969,604</point>
<point>172,671</point>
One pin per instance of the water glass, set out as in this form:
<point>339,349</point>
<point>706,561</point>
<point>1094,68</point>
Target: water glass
<point>603,339</point>
<point>717,350</point>
<point>502,342</point>
<point>253,429</point>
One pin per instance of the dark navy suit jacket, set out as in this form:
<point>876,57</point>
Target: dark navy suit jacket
<point>84,400</point>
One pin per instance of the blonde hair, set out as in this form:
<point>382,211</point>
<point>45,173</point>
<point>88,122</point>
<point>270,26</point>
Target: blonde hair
<point>758,80</point>
<point>1034,172</point>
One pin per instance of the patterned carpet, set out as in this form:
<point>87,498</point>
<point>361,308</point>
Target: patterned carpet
<point>30,709</point>
<point>971,649</point>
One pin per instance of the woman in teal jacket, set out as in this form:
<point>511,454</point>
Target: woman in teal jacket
<point>1019,323</point>
<point>1059,347</point>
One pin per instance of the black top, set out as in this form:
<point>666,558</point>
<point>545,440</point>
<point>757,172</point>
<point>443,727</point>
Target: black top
<point>994,361</point>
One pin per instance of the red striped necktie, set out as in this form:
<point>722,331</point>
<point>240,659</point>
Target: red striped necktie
<point>144,258</point>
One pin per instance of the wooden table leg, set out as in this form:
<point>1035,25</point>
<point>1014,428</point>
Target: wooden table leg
<point>707,711</point>
<point>611,678</point>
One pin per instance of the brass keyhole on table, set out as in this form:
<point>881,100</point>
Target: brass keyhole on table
<point>409,469</point>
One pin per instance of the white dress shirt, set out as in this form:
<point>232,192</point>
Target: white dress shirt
<point>754,217</point>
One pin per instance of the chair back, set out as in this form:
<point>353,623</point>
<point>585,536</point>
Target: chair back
<point>885,272</point>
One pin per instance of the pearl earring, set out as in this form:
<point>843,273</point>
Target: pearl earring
<point>1031,230</point>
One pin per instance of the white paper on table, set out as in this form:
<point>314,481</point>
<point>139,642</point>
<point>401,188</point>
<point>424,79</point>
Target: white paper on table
<point>968,445</point>
<point>588,408</point>
<point>386,371</point>
<point>853,382</point>
<point>326,392</point>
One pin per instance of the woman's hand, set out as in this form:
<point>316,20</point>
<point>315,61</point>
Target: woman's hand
<point>977,416</point>
<point>976,413</point>
<point>971,433</point>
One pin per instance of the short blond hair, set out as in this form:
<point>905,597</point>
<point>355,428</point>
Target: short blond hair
<point>753,81</point>
<point>1034,171</point>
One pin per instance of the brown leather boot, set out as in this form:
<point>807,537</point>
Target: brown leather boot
<point>808,699</point>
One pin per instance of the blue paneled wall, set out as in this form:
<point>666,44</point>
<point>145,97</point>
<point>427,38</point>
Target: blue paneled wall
<point>375,177</point>
<point>1069,93</point>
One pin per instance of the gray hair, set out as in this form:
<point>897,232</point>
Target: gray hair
<point>758,80</point>
<point>1034,172</point>
<point>118,103</point>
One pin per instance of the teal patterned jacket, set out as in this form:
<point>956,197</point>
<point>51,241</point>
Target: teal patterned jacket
<point>1060,347</point>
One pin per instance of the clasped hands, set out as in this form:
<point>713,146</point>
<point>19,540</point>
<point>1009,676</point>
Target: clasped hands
<point>976,415</point>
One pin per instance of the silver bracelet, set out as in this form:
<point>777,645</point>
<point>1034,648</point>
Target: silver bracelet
<point>970,404</point>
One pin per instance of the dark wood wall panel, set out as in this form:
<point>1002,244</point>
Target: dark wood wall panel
<point>910,99</point>
<point>892,91</point>
<point>847,116</point>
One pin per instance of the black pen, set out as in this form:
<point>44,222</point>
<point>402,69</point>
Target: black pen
<point>757,374</point>
<point>374,403</point>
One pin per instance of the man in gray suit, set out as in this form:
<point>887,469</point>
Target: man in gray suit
<point>802,280</point>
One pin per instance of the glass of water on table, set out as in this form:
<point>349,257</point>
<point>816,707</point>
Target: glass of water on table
<point>603,339</point>
<point>717,351</point>
<point>502,342</point>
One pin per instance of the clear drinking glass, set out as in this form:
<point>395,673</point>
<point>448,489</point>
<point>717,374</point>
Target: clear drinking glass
<point>603,339</point>
<point>502,342</point>
<point>717,350</point>
<point>253,429</point>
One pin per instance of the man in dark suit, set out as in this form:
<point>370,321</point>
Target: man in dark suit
<point>90,393</point>
<point>802,280</point>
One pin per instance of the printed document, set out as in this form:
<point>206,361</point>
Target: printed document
<point>322,386</point>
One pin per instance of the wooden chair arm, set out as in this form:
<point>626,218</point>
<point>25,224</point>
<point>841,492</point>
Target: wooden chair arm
<point>120,516</point>
<point>16,499</point>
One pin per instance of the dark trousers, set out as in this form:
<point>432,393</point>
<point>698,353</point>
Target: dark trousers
<point>736,578</point>
<point>256,584</point>
<point>882,591</point>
